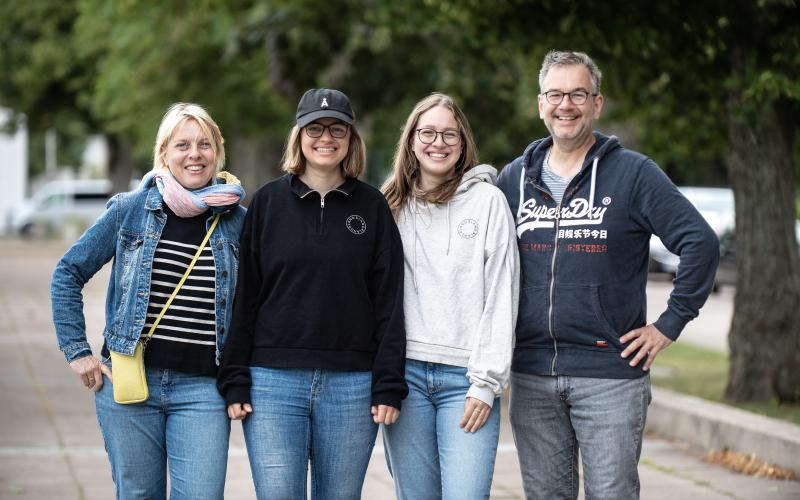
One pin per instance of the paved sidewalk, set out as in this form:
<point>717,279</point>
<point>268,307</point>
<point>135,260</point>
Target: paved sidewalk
<point>50,446</point>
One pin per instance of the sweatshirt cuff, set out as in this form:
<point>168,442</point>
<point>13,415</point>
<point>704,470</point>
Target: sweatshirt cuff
<point>483,393</point>
<point>670,324</point>
<point>237,394</point>
<point>387,398</point>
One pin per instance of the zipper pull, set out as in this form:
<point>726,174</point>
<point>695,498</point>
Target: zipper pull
<point>322,202</point>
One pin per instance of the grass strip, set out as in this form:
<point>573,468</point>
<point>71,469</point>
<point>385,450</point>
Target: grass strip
<point>703,373</point>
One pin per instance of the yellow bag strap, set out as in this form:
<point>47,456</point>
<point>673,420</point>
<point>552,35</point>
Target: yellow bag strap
<point>183,279</point>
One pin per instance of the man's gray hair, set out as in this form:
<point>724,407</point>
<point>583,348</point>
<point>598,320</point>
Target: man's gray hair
<point>560,58</point>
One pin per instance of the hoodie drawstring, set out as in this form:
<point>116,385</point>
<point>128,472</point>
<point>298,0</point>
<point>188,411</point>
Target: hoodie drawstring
<point>447,252</point>
<point>591,189</point>
<point>521,191</point>
<point>414,253</point>
<point>413,207</point>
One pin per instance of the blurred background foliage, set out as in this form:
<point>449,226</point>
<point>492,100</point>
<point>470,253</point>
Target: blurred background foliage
<point>710,90</point>
<point>89,66</point>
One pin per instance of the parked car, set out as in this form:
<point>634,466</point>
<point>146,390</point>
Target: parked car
<point>717,208</point>
<point>62,203</point>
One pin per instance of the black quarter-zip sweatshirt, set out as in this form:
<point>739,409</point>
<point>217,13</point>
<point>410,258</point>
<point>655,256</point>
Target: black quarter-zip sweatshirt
<point>320,285</point>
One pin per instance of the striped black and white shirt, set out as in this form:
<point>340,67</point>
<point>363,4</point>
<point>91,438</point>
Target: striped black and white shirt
<point>552,180</point>
<point>185,339</point>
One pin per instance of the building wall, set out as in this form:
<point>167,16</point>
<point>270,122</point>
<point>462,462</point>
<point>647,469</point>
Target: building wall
<point>13,171</point>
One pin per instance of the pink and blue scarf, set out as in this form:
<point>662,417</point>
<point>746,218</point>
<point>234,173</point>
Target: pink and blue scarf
<point>186,203</point>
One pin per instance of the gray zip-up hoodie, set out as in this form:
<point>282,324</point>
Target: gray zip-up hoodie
<point>462,282</point>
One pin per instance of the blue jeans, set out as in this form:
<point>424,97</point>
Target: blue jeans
<point>302,415</point>
<point>183,423</point>
<point>428,454</point>
<point>553,417</point>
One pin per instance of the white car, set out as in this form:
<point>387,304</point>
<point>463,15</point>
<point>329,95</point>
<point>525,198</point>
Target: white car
<point>717,208</point>
<point>60,203</point>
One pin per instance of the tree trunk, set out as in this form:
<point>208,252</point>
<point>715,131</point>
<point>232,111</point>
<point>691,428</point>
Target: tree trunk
<point>121,163</point>
<point>765,331</point>
<point>255,161</point>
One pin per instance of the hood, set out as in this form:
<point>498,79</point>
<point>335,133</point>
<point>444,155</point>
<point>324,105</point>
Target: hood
<point>475,175</point>
<point>472,177</point>
<point>533,157</point>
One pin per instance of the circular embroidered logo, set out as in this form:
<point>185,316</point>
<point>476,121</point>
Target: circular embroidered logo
<point>607,200</point>
<point>356,224</point>
<point>468,228</point>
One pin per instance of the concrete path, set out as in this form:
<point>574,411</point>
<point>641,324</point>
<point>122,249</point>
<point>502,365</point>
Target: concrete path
<point>50,446</point>
<point>710,329</point>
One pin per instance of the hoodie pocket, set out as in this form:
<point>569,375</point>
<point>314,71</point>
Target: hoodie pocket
<point>579,319</point>
<point>532,321</point>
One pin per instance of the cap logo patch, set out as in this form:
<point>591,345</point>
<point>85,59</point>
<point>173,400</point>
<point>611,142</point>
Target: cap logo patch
<point>324,103</point>
<point>356,224</point>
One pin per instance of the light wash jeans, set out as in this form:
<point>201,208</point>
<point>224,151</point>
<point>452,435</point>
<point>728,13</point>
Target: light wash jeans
<point>428,454</point>
<point>183,423</point>
<point>554,417</point>
<point>302,415</point>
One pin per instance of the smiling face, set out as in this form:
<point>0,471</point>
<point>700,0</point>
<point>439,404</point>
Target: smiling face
<point>437,160</point>
<point>190,156</point>
<point>325,152</point>
<point>567,122</point>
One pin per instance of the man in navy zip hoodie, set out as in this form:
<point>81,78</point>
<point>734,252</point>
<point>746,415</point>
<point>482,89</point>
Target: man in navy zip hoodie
<point>585,209</point>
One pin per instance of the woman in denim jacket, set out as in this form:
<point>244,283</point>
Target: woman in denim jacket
<point>152,234</point>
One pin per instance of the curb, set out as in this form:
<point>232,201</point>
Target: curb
<point>713,426</point>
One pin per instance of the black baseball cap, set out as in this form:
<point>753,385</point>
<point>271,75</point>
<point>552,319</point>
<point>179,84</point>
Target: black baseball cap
<point>323,103</point>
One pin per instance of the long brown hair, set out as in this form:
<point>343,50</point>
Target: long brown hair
<point>405,168</point>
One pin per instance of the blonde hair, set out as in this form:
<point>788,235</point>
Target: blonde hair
<point>405,169</point>
<point>174,118</point>
<point>353,165</point>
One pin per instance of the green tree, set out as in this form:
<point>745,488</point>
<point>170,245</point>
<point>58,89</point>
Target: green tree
<point>706,83</point>
<point>37,80</point>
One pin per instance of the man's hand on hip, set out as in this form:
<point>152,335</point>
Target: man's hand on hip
<point>648,341</point>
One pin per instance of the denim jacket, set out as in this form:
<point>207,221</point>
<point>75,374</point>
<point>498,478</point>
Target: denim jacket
<point>128,232</point>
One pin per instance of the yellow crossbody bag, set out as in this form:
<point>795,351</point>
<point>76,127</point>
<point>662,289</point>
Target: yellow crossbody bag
<point>130,382</point>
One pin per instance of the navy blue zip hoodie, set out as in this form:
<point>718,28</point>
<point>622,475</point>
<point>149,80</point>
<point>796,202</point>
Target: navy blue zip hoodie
<point>320,286</point>
<point>584,262</point>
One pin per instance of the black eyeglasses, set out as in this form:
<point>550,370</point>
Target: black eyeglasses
<point>337,130</point>
<point>576,96</point>
<point>428,136</point>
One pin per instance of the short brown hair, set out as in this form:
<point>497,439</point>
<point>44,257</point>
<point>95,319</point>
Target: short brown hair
<point>556,58</point>
<point>353,165</point>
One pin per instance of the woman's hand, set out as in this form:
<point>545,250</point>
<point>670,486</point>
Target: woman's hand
<point>476,412</point>
<point>239,411</point>
<point>384,414</point>
<point>90,370</point>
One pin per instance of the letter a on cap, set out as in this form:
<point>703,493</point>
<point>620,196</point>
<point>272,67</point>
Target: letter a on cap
<point>324,102</point>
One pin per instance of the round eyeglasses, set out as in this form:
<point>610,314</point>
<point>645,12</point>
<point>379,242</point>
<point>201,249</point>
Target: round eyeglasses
<point>577,97</point>
<point>337,130</point>
<point>428,136</point>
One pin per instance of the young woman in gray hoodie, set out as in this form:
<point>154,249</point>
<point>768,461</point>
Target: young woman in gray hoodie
<point>460,304</point>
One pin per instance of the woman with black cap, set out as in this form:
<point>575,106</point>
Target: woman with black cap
<point>315,356</point>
